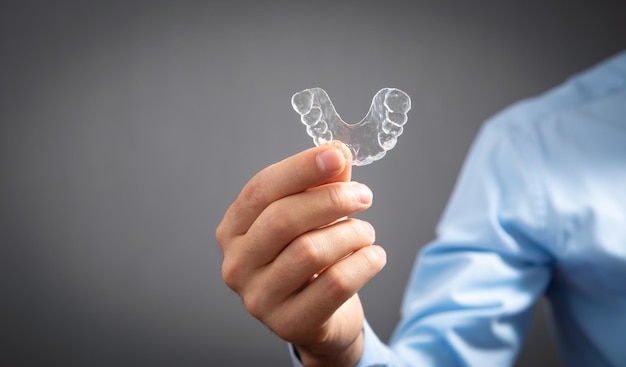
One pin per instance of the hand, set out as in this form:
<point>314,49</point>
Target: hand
<point>295,258</point>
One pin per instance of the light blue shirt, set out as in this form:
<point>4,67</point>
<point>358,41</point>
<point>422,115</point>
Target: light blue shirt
<point>539,209</point>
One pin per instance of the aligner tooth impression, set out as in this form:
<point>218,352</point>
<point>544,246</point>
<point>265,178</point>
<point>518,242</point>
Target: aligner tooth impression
<point>371,138</point>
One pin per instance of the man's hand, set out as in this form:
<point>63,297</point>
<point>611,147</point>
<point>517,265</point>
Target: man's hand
<point>295,258</point>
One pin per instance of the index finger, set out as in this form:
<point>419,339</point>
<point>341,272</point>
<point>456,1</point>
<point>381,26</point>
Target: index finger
<point>312,167</point>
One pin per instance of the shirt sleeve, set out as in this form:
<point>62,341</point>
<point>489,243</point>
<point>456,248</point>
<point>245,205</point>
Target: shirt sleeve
<point>472,290</point>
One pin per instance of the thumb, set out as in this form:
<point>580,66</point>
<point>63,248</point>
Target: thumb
<point>346,174</point>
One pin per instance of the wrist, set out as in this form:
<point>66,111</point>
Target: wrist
<point>345,357</point>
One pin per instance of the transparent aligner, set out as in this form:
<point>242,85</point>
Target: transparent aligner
<point>370,139</point>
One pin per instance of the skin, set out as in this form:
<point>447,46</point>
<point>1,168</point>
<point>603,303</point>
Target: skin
<point>295,257</point>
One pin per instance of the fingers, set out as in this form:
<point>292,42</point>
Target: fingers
<point>341,281</point>
<point>320,300</point>
<point>311,253</point>
<point>296,305</point>
<point>290,217</point>
<point>290,223</point>
<point>315,166</point>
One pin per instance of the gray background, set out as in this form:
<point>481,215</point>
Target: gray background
<point>128,128</point>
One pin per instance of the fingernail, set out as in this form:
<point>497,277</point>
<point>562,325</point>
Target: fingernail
<point>363,193</point>
<point>330,160</point>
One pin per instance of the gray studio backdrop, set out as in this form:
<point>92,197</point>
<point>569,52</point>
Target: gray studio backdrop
<point>127,128</point>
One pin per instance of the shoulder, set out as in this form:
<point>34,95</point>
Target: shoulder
<point>593,89</point>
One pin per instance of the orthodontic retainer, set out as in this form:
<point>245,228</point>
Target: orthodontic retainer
<point>371,138</point>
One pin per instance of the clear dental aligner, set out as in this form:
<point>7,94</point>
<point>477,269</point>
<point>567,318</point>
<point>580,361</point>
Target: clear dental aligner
<point>370,139</point>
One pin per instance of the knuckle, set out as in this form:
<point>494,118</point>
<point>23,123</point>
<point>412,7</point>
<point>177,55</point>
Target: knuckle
<point>358,232</point>
<point>370,260</point>
<point>309,252</point>
<point>364,230</point>
<point>355,227</point>
<point>254,303</point>
<point>255,192</point>
<point>336,196</point>
<point>220,235</point>
<point>339,285</point>
<point>231,274</point>
<point>274,219</point>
